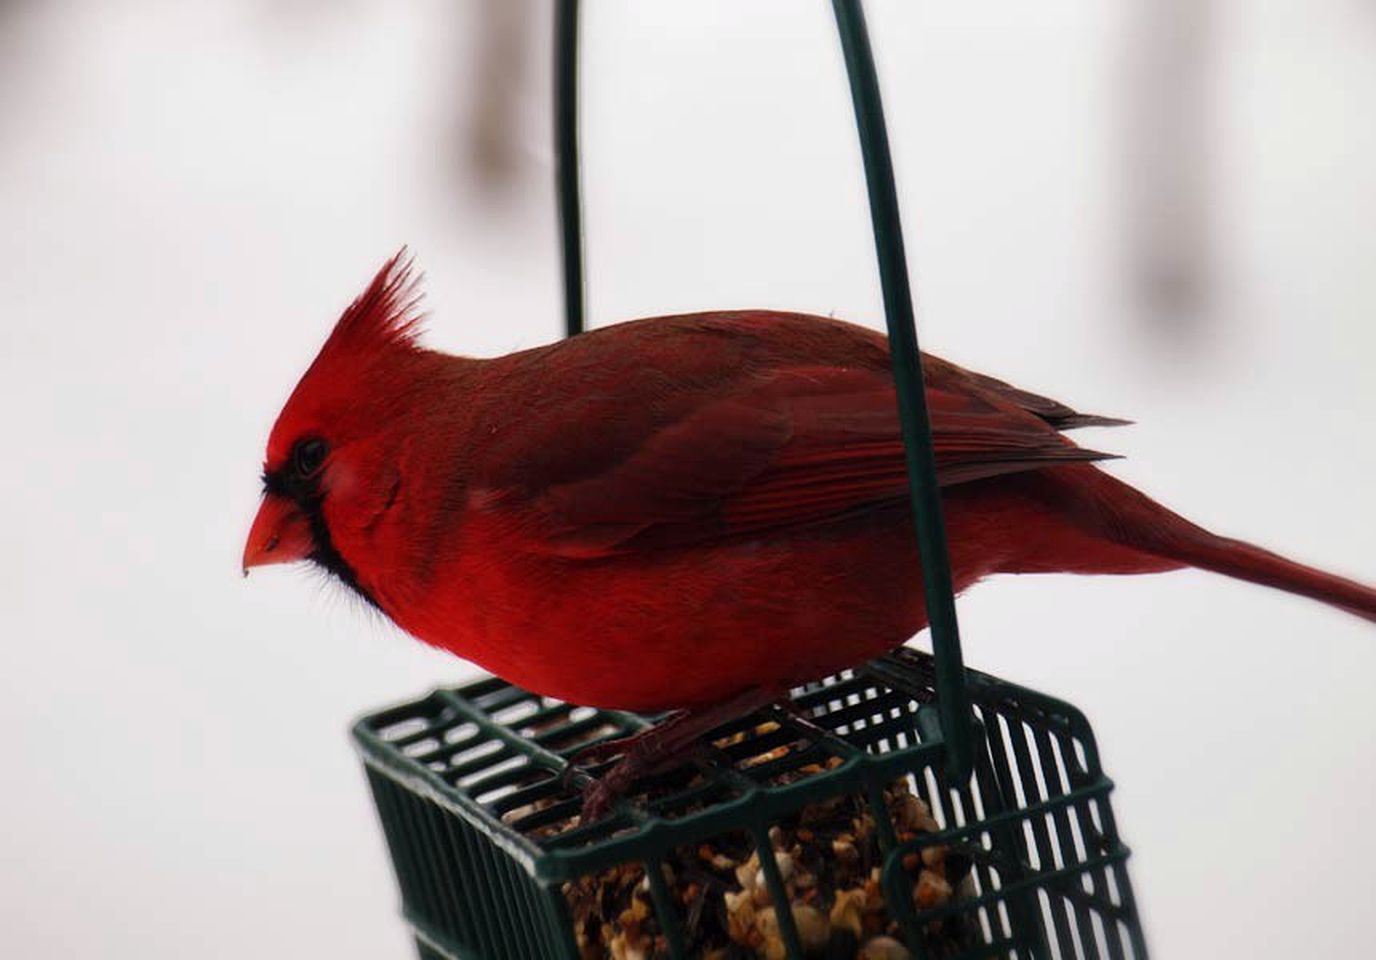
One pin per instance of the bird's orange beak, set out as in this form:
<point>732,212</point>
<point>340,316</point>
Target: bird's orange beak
<point>280,534</point>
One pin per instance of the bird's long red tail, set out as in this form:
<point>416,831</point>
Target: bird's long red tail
<point>1130,518</point>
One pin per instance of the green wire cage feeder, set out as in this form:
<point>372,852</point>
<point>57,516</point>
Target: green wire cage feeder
<point>906,808</point>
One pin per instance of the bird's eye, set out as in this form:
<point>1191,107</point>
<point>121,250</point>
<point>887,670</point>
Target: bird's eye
<point>308,456</point>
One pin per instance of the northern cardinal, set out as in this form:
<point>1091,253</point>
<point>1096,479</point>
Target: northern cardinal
<point>691,513</point>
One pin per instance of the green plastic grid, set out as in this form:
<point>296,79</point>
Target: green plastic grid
<point>1048,868</point>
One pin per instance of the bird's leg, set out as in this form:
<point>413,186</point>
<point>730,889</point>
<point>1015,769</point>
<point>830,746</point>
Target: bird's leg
<point>661,747</point>
<point>590,757</point>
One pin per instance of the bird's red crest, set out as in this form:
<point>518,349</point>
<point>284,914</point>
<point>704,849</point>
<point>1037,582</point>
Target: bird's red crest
<point>382,317</point>
<point>377,330</point>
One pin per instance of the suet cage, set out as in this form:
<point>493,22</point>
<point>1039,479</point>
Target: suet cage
<point>936,811</point>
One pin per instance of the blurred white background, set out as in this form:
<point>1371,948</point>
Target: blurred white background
<point>1161,211</point>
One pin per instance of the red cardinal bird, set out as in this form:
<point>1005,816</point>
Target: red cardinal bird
<point>692,513</point>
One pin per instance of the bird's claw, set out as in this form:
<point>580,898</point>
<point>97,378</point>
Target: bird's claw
<point>585,759</point>
<point>597,753</point>
<point>601,793</point>
<point>597,802</point>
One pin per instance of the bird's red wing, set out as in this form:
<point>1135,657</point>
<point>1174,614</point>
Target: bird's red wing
<point>794,449</point>
<point>676,480</point>
<point>942,374</point>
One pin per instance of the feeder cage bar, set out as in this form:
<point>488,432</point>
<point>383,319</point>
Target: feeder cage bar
<point>912,399</point>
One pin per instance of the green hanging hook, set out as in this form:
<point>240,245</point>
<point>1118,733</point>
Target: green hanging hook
<point>953,701</point>
<point>566,163</point>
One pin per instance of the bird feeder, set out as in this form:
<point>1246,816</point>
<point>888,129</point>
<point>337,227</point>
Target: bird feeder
<point>906,808</point>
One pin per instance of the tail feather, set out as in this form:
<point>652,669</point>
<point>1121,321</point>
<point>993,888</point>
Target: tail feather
<point>1132,519</point>
<point>1245,561</point>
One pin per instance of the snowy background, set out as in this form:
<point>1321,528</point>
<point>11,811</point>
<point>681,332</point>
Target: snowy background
<point>1165,211</point>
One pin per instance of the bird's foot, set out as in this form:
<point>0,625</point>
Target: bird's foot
<point>649,751</point>
<point>602,792</point>
<point>600,753</point>
<point>664,746</point>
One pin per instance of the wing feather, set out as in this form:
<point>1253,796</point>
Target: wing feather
<point>789,449</point>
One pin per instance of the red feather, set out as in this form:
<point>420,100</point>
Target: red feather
<point>383,317</point>
<point>676,511</point>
